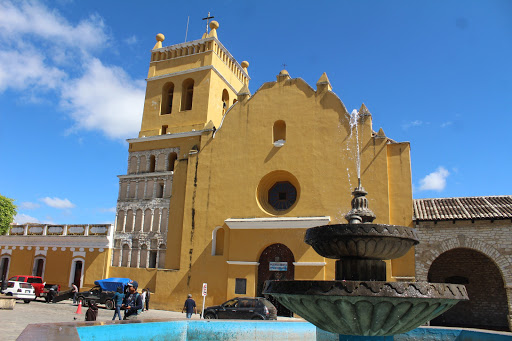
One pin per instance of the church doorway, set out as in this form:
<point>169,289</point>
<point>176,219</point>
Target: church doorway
<point>487,306</point>
<point>77,273</point>
<point>4,267</point>
<point>276,263</point>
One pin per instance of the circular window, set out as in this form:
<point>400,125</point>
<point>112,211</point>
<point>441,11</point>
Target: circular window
<point>282,195</point>
<point>278,192</point>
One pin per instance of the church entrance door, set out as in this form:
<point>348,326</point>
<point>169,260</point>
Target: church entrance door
<point>276,263</point>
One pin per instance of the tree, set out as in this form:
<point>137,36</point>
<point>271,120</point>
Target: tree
<point>7,213</point>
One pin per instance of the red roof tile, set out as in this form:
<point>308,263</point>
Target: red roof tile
<point>492,207</point>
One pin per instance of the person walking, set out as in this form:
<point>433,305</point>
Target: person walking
<point>118,300</point>
<point>132,303</point>
<point>189,306</point>
<point>74,290</point>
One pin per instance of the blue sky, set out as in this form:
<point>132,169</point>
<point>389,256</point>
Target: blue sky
<point>72,83</point>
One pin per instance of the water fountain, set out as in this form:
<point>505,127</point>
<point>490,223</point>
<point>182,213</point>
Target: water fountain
<point>359,301</point>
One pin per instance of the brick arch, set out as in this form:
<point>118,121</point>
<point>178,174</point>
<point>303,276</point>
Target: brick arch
<point>462,241</point>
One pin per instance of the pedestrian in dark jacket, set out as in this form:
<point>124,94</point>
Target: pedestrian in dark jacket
<point>132,303</point>
<point>92,313</point>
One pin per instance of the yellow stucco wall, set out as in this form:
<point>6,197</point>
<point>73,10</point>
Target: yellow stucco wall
<point>58,264</point>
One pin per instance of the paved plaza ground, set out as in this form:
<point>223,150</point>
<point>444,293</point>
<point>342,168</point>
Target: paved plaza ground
<point>12,322</point>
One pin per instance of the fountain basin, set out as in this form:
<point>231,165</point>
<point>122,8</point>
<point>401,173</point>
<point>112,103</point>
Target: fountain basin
<point>366,308</point>
<point>364,241</point>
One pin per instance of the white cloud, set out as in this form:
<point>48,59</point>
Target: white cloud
<point>40,50</point>
<point>29,205</point>
<point>27,69</point>
<point>131,40</point>
<point>435,181</point>
<point>24,218</point>
<point>106,99</point>
<point>57,202</point>
<point>446,124</point>
<point>34,19</point>
<point>415,123</point>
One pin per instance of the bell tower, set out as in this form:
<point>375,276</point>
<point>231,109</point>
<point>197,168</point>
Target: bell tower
<point>190,85</point>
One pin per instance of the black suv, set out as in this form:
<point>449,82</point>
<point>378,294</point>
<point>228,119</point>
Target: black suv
<point>247,308</point>
<point>98,295</point>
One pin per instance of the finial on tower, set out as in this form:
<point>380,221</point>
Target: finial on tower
<point>323,83</point>
<point>214,25</point>
<point>159,39</point>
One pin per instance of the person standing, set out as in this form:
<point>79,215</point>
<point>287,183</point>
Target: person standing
<point>132,303</point>
<point>74,290</point>
<point>189,306</point>
<point>143,298</point>
<point>147,298</point>
<point>118,299</point>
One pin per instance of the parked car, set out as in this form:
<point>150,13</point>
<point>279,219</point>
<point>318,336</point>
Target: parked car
<point>249,308</point>
<point>103,291</point>
<point>20,290</point>
<point>40,287</point>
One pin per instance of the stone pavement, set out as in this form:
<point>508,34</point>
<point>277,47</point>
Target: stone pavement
<point>12,322</point>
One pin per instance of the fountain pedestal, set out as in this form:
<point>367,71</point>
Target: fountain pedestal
<point>359,302</point>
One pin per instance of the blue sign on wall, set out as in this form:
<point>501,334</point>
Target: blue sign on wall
<point>278,266</point>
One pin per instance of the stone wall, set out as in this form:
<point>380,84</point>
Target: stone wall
<point>479,250</point>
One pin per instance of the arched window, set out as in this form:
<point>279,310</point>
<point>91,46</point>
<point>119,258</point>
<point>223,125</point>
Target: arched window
<point>225,101</point>
<point>279,133</point>
<point>120,220</point>
<point>143,256</point>
<point>142,165</point>
<point>133,165</point>
<point>147,220</point>
<point>125,255</point>
<point>129,221</point>
<point>218,241</point>
<point>39,265</point>
<point>172,159</point>
<point>138,220</point>
<point>187,94</point>
<point>167,98</point>
<point>161,256</point>
<point>152,163</point>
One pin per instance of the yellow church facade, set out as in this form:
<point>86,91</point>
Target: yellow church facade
<point>221,185</point>
<point>243,177</point>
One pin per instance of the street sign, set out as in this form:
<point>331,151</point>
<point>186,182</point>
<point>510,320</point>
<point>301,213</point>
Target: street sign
<point>204,291</point>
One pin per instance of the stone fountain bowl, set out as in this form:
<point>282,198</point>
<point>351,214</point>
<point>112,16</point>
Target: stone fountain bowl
<point>364,241</point>
<point>366,308</point>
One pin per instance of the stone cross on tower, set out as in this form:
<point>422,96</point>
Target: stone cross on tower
<point>208,17</point>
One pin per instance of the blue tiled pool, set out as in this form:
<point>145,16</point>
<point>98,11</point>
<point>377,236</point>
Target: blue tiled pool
<point>211,330</point>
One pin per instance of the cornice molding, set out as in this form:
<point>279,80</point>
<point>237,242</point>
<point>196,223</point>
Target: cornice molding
<point>168,136</point>
<point>237,262</point>
<point>276,223</point>
<point>103,242</point>
<point>309,263</point>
